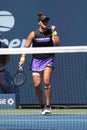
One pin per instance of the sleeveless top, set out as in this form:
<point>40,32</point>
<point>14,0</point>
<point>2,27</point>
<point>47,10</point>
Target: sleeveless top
<point>43,39</point>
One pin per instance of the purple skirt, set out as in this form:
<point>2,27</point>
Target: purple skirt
<point>40,64</point>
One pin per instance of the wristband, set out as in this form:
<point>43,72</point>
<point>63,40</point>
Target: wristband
<point>22,59</point>
<point>54,33</point>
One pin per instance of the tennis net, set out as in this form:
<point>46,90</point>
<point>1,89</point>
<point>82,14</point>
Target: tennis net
<point>69,78</point>
<point>69,83</point>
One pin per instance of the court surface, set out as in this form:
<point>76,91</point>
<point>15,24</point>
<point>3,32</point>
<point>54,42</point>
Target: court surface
<point>31,119</point>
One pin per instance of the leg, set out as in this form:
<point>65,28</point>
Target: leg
<point>47,89</point>
<point>37,79</point>
<point>47,84</point>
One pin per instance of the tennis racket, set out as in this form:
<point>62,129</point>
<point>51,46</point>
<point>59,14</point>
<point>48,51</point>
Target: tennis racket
<point>19,77</point>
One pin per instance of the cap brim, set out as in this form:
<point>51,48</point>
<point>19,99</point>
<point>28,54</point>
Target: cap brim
<point>44,17</point>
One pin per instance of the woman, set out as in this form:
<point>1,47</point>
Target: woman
<point>42,64</point>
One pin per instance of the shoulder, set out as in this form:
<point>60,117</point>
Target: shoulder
<point>36,33</point>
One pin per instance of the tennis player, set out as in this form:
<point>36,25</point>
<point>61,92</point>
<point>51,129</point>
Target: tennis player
<point>42,64</point>
<point>4,59</point>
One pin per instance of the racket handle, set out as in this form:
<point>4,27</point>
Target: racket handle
<point>20,68</point>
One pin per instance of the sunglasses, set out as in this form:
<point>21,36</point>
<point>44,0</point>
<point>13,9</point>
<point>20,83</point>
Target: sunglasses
<point>45,21</point>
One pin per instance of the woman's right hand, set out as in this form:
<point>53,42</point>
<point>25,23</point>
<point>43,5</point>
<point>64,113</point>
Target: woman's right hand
<point>21,63</point>
<point>22,60</point>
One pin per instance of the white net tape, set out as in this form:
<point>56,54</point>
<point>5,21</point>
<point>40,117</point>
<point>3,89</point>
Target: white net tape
<point>30,50</point>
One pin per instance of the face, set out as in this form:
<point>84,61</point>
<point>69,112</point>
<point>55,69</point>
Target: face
<point>44,23</point>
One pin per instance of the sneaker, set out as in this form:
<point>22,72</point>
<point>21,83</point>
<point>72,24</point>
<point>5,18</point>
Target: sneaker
<point>47,111</point>
<point>41,108</point>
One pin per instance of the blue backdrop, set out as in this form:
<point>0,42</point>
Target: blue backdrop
<point>19,17</point>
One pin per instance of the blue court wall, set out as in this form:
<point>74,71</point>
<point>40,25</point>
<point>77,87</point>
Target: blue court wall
<point>19,17</point>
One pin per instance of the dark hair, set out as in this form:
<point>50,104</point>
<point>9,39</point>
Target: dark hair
<point>42,16</point>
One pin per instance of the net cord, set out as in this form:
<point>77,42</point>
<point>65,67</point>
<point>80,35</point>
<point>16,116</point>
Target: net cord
<point>35,50</point>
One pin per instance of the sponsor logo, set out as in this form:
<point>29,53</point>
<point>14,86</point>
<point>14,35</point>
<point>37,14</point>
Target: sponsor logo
<point>14,43</point>
<point>7,22</point>
<point>10,101</point>
<point>5,101</point>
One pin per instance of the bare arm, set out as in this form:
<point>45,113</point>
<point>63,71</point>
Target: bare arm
<point>27,44</point>
<point>55,36</point>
